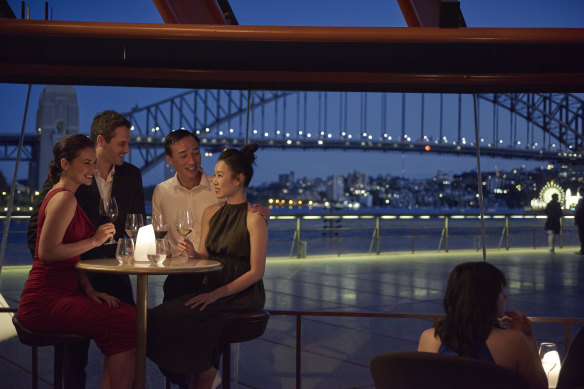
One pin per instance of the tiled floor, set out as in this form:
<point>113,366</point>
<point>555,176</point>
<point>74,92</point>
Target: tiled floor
<point>337,351</point>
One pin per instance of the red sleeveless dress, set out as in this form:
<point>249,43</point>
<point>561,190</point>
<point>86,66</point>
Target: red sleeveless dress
<point>52,300</point>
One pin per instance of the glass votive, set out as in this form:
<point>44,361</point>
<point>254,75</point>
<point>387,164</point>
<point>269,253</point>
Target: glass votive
<point>550,360</point>
<point>125,251</point>
<point>156,252</point>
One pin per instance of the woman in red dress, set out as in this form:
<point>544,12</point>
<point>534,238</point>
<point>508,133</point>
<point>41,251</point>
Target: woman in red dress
<point>57,297</point>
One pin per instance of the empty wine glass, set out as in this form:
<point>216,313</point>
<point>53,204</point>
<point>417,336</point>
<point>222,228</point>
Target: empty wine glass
<point>159,225</point>
<point>156,252</point>
<point>133,223</point>
<point>125,251</point>
<point>109,210</point>
<point>184,222</point>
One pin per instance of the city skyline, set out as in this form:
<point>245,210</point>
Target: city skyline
<point>327,13</point>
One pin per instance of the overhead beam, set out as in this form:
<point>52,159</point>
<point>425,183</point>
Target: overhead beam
<point>293,58</point>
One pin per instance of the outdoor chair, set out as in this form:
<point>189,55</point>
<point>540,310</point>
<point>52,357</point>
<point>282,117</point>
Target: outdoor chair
<point>421,370</point>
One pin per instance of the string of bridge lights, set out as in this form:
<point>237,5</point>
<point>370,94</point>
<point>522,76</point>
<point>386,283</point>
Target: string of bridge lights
<point>322,136</point>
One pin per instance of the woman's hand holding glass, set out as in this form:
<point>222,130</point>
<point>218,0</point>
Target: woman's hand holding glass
<point>184,224</point>
<point>186,246</point>
<point>518,321</point>
<point>103,233</point>
<point>109,210</point>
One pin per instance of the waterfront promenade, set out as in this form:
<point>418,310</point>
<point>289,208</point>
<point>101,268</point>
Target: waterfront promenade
<point>336,350</point>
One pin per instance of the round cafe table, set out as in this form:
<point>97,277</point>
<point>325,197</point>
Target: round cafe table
<point>142,270</point>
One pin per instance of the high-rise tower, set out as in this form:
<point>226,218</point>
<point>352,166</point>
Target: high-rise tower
<point>57,116</point>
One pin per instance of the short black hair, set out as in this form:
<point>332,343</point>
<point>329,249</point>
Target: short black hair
<point>174,137</point>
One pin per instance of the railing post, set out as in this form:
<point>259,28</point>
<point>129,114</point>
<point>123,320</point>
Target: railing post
<point>446,233</point>
<point>506,232</point>
<point>413,241</point>
<point>378,235</point>
<point>293,243</point>
<point>297,233</point>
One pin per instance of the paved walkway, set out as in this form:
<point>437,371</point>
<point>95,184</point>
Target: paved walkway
<point>337,351</point>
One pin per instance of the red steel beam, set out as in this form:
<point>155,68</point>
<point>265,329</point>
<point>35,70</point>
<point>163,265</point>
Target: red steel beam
<point>299,58</point>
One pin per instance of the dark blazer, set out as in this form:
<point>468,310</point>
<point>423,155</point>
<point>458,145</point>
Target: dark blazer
<point>579,214</point>
<point>129,193</point>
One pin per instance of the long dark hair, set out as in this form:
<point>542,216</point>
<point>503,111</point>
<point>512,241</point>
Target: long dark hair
<point>68,148</point>
<point>471,307</point>
<point>240,161</point>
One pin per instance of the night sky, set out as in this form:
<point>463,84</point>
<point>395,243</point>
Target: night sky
<point>378,13</point>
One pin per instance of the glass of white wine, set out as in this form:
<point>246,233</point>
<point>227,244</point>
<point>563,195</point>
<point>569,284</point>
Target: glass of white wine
<point>184,222</point>
<point>134,221</point>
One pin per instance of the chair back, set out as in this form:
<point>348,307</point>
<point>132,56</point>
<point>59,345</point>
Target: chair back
<point>572,372</point>
<point>421,370</point>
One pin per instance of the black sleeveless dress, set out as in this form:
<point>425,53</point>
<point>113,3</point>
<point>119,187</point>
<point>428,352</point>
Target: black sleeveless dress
<point>185,340</point>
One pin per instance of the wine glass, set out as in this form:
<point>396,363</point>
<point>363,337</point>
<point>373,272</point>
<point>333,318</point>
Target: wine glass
<point>133,223</point>
<point>109,210</point>
<point>156,252</point>
<point>184,222</point>
<point>125,251</point>
<point>159,225</point>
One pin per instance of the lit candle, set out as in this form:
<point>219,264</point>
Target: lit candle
<point>552,365</point>
<point>143,241</point>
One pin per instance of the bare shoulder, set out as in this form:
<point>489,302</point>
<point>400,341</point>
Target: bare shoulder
<point>507,335</point>
<point>62,201</point>
<point>429,342</point>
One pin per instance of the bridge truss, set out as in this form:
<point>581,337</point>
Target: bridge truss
<point>547,127</point>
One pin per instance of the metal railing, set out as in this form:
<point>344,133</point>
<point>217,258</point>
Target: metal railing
<point>527,229</point>
<point>302,234</point>
<point>568,322</point>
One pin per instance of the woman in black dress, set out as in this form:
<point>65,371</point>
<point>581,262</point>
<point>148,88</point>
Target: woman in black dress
<point>553,210</point>
<point>183,333</point>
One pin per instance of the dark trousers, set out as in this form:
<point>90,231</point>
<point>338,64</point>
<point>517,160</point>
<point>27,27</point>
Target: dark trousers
<point>581,236</point>
<point>74,363</point>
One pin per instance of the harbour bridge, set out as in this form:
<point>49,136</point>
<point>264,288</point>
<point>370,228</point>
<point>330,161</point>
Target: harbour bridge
<point>536,126</point>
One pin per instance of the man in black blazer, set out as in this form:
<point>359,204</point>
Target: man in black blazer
<point>110,132</point>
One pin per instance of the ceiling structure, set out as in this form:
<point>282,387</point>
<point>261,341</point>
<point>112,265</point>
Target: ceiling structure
<point>412,59</point>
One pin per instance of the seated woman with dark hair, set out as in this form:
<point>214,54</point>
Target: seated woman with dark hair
<point>57,297</point>
<point>474,302</point>
<point>183,333</point>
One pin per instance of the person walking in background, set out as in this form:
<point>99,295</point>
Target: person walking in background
<point>579,219</point>
<point>474,301</point>
<point>110,132</point>
<point>553,211</point>
<point>57,297</point>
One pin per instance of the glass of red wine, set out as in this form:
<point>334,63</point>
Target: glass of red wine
<point>159,225</point>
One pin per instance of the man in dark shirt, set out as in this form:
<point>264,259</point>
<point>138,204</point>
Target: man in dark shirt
<point>579,219</point>
<point>110,132</point>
